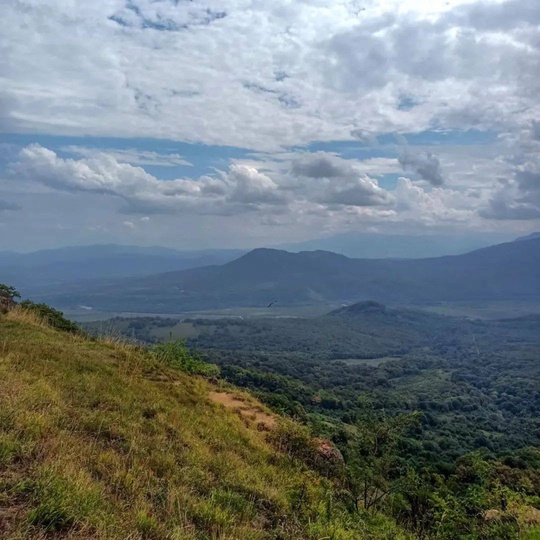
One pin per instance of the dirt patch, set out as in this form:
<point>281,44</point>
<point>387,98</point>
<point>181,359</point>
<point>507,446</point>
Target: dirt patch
<point>245,408</point>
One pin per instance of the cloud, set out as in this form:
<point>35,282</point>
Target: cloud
<point>425,164</point>
<point>129,224</point>
<point>357,191</point>
<point>6,205</point>
<point>320,165</point>
<point>434,207</point>
<point>342,182</point>
<point>242,188</point>
<point>503,208</point>
<point>517,196</point>
<point>364,136</point>
<point>185,70</point>
<point>253,187</point>
<point>535,130</point>
<point>131,155</point>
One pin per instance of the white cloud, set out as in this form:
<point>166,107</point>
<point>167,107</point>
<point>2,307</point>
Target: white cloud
<point>242,188</point>
<point>337,181</point>
<point>132,156</point>
<point>266,75</point>
<point>517,196</point>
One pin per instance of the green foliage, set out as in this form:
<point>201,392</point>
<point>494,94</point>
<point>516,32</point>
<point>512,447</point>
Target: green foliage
<point>10,292</point>
<point>373,457</point>
<point>102,440</point>
<point>464,467</point>
<point>52,316</point>
<point>176,354</point>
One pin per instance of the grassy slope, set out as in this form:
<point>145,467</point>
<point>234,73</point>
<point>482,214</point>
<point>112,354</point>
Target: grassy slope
<point>99,441</point>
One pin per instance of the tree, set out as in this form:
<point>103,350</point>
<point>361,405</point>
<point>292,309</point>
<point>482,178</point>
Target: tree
<point>372,468</point>
<point>8,291</point>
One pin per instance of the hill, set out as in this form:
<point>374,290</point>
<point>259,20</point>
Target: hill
<point>509,271</point>
<point>101,440</point>
<point>80,263</point>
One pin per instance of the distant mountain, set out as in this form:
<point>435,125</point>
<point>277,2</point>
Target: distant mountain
<point>80,263</point>
<point>532,236</point>
<point>507,271</point>
<point>394,246</point>
<point>360,309</point>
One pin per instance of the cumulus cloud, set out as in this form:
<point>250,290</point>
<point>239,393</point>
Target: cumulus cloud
<point>342,183</point>
<point>241,188</point>
<point>425,164</point>
<point>517,197</point>
<point>434,207</point>
<point>357,191</point>
<point>320,165</point>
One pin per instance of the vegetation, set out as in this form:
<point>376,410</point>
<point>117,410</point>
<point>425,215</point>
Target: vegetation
<point>442,436</point>
<point>52,316</point>
<point>103,439</point>
<point>9,291</point>
<point>176,354</point>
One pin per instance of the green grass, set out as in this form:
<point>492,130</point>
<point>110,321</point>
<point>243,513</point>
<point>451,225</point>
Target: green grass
<point>102,440</point>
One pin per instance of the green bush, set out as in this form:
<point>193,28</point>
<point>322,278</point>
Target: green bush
<point>53,317</point>
<point>176,354</point>
<point>9,292</point>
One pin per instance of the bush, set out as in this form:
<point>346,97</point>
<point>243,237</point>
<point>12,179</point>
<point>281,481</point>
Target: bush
<point>52,316</point>
<point>177,355</point>
<point>9,292</point>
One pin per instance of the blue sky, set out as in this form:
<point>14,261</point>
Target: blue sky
<point>260,123</point>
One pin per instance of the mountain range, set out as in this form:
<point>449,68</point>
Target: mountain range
<point>79,263</point>
<point>509,271</point>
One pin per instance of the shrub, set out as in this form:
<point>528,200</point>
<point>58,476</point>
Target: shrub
<point>177,355</point>
<point>52,316</point>
<point>9,292</point>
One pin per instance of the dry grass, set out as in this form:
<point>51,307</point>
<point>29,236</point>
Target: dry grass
<point>99,440</point>
<point>247,408</point>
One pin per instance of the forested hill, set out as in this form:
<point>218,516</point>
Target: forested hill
<point>509,271</point>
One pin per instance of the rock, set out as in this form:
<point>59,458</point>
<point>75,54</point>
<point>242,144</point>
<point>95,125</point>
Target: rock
<point>328,452</point>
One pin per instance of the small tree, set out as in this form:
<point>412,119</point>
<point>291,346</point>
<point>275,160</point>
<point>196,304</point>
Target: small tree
<point>9,291</point>
<point>372,473</point>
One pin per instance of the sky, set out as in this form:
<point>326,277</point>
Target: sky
<point>239,123</point>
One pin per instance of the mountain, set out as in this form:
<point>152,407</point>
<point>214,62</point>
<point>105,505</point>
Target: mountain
<point>394,246</point>
<point>104,440</point>
<point>532,236</point>
<point>79,263</point>
<point>509,271</point>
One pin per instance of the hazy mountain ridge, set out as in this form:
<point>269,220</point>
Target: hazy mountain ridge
<point>397,246</point>
<point>509,271</point>
<point>101,261</point>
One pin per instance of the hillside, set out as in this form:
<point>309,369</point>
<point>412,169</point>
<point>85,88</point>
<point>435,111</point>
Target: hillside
<point>508,271</point>
<point>100,440</point>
